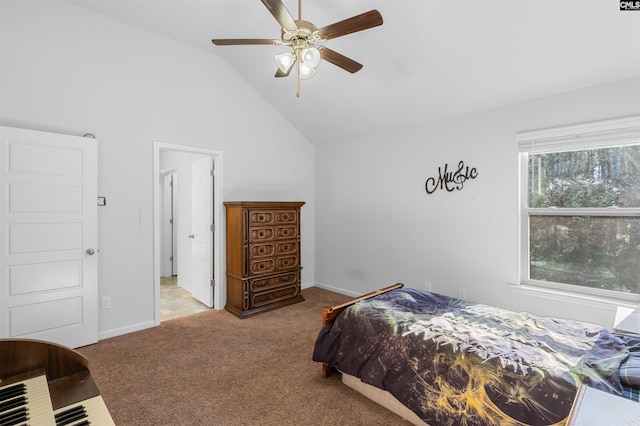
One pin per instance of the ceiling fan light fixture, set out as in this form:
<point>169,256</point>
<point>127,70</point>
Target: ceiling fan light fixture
<point>285,61</point>
<point>305,71</point>
<point>310,56</point>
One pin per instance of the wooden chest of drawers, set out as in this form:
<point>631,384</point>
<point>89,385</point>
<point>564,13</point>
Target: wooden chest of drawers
<point>263,256</point>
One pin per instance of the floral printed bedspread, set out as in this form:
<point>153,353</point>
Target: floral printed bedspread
<point>455,362</point>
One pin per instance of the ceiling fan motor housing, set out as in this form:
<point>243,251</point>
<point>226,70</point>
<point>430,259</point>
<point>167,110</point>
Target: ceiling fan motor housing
<point>306,32</point>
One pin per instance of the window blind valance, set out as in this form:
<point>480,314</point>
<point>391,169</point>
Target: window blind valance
<point>622,131</point>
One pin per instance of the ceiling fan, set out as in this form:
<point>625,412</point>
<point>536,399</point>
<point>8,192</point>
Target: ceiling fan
<point>305,40</point>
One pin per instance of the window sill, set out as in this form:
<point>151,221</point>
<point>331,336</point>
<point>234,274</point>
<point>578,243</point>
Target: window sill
<point>571,297</point>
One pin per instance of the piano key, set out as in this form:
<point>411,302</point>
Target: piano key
<point>12,403</point>
<point>71,415</point>
<point>35,401</point>
<point>19,415</point>
<point>96,410</point>
<point>12,391</point>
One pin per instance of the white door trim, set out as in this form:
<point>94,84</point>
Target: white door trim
<point>219,294</point>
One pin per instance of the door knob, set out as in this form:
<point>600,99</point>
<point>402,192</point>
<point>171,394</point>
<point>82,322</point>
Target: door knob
<point>90,251</point>
<point>191,236</point>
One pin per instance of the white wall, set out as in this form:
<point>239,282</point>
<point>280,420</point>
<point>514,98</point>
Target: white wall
<point>67,70</point>
<point>376,225</point>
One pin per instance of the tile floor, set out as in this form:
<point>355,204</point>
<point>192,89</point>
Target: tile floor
<point>175,301</point>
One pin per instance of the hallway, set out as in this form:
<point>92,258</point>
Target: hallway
<point>175,301</point>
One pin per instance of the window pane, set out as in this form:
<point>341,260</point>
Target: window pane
<point>602,177</point>
<point>589,251</point>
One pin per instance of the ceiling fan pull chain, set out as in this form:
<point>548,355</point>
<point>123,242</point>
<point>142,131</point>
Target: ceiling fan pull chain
<point>299,10</point>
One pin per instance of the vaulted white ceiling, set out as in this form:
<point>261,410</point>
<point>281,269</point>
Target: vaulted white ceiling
<point>430,60</point>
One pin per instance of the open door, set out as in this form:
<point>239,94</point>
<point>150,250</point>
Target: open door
<point>168,217</point>
<point>202,230</point>
<point>48,252</point>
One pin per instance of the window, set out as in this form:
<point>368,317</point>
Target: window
<point>580,208</point>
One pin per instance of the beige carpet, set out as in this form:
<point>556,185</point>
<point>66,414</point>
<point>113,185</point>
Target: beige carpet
<point>212,368</point>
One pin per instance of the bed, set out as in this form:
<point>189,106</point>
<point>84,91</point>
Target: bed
<point>438,360</point>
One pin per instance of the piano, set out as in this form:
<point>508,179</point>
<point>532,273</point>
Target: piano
<point>43,383</point>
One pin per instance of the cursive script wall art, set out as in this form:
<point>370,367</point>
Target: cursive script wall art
<point>450,180</point>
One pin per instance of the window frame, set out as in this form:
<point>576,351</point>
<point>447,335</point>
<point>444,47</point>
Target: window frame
<point>596,134</point>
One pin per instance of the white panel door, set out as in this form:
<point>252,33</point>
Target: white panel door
<point>48,249</point>
<point>202,222</point>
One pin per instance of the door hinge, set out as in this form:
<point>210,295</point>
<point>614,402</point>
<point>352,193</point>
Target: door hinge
<point>213,227</point>
<point>171,258</point>
<point>213,283</point>
<point>171,221</point>
<point>213,172</point>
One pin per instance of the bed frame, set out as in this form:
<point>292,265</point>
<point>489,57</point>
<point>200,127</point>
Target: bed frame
<point>329,314</point>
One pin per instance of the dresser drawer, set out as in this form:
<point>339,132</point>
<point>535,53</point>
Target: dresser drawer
<point>286,231</point>
<point>258,234</point>
<point>273,296</point>
<point>265,250</point>
<point>262,266</point>
<point>286,216</point>
<point>286,247</point>
<point>284,263</point>
<point>262,217</point>
<point>273,281</point>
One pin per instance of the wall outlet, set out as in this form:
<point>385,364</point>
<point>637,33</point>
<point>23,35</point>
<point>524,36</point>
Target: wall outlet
<point>427,286</point>
<point>106,302</point>
<point>462,293</point>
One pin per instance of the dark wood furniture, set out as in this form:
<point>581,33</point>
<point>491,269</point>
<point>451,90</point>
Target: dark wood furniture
<point>68,380</point>
<point>263,256</point>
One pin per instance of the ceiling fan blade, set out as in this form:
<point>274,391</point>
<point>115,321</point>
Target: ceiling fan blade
<point>282,15</point>
<point>238,41</point>
<point>279,73</point>
<point>340,60</point>
<point>354,24</point>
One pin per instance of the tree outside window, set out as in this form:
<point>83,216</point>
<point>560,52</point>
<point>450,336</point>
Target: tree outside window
<point>580,218</point>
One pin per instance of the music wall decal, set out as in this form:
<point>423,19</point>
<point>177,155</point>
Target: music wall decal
<point>450,180</point>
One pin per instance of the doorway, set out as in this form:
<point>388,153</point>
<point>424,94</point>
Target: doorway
<point>175,301</point>
<point>187,212</point>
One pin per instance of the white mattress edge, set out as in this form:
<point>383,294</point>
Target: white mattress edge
<point>382,398</point>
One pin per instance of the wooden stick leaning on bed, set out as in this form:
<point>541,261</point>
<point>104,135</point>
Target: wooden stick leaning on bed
<point>329,314</point>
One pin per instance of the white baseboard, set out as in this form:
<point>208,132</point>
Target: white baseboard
<point>149,324</point>
<point>337,290</point>
<point>125,330</point>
